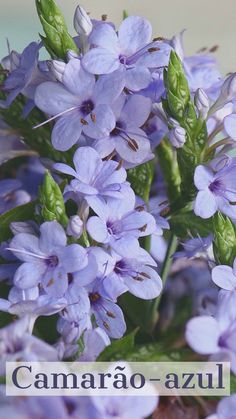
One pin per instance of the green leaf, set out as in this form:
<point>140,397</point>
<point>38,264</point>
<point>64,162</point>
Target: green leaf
<point>187,223</point>
<point>20,213</point>
<point>178,105</point>
<point>140,312</point>
<point>57,41</point>
<point>118,348</point>
<point>125,14</point>
<point>224,243</point>
<point>141,178</point>
<point>52,202</point>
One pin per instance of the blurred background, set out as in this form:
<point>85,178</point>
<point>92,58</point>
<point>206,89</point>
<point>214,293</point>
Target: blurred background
<point>208,22</point>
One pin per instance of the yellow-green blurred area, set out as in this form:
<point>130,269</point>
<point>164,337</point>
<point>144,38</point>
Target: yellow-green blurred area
<point>208,22</point>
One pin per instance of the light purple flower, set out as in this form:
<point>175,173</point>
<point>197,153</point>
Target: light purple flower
<point>127,138</point>
<point>95,180</point>
<point>47,259</point>
<point>133,274</point>
<point>132,48</point>
<point>230,126</point>
<point>17,344</point>
<point>108,315</point>
<point>116,224</point>
<point>95,341</point>
<point>194,247</point>
<point>11,194</point>
<point>216,190</point>
<point>81,104</point>
<point>226,408</point>
<point>219,332</point>
<point>225,277</point>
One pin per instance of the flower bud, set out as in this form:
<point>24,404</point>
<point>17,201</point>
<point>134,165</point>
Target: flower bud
<point>82,22</point>
<point>227,93</point>
<point>202,103</point>
<point>57,68</point>
<point>177,136</point>
<point>75,226</point>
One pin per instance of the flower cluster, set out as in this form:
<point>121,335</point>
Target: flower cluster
<point>124,179</point>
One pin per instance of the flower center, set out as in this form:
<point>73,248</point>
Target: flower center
<point>94,297</point>
<point>87,107</point>
<point>215,186</point>
<point>116,131</point>
<point>52,261</point>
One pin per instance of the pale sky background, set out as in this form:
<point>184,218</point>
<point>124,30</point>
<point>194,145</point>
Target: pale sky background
<point>208,22</point>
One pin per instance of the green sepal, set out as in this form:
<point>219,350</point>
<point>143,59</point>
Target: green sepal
<point>51,201</point>
<point>224,243</point>
<point>141,178</point>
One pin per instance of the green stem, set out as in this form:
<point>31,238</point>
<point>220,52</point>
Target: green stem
<point>172,246</point>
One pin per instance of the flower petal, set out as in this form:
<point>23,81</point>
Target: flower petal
<point>203,177</point>
<point>137,78</point>
<point>53,98</point>
<point>224,277</point>
<point>100,61</point>
<point>52,237</point>
<point>97,229</point>
<point>66,132</point>
<point>28,275</point>
<point>87,162</point>
<point>202,334</point>
<point>230,125</point>
<point>148,286</point>
<point>134,33</point>
<point>205,204</point>
<point>73,258</point>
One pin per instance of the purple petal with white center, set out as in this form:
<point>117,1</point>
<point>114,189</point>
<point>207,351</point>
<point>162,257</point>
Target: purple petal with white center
<point>67,131</point>
<point>100,61</point>
<point>137,78</point>
<point>224,277</point>
<point>134,33</point>
<point>205,204</point>
<point>52,236</point>
<point>199,327</point>
<point>28,275</point>
<point>54,98</point>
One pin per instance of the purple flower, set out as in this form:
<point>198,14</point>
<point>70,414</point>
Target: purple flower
<point>217,190</point>
<point>10,144</point>
<point>194,247</point>
<point>81,104</point>
<point>226,408</point>
<point>17,344</point>
<point>132,48</point>
<point>134,275</point>
<point>107,314</point>
<point>95,341</point>
<point>25,75</point>
<point>127,138</point>
<point>230,126</point>
<point>47,259</point>
<point>219,332</point>
<point>11,194</point>
<point>116,224</point>
<point>225,277</point>
<point>95,180</point>
<point>124,407</point>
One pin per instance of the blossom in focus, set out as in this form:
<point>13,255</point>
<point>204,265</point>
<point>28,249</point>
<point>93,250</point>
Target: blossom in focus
<point>131,49</point>
<point>47,260</point>
<point>80,104</point>
<point>216,190</point>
